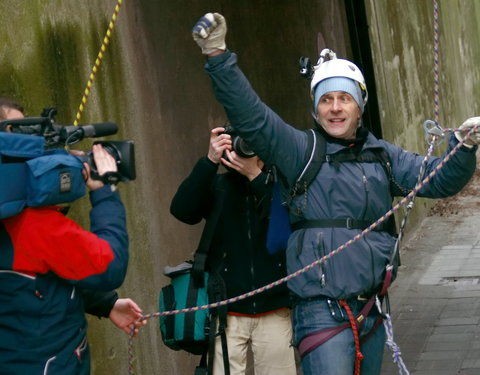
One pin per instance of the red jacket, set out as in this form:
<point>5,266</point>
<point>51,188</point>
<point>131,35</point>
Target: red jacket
<point>44,257</point>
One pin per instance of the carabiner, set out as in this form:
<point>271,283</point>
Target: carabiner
<point>434,134</point>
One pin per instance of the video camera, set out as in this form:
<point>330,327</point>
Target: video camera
<point>39,172</point>
<point>57,136</point>
<point>238,144</point>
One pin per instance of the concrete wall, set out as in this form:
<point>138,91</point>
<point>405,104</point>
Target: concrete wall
<point>152,84</point>
<point>402,36</point>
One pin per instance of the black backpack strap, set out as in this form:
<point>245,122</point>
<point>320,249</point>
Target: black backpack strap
<point>211,343</point>
<point>201,369</point>
<point>347,223</point>
<point>217,292</point>
<point>314,157</point>
<point>170,304</point>
<point>200,257</point>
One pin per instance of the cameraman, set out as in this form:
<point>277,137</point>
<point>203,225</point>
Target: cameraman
<point>123,312</point>
<point>48,265</point>
<point>238,253</point>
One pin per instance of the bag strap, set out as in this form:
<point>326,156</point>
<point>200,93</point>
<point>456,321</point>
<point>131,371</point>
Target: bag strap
<point>200,257</point>
<point>211,347</point>
<point>314,157</point>
<point>217,292</point>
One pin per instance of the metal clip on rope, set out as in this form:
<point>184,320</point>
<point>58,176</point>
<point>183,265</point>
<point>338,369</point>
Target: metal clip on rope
<point>434,134</point>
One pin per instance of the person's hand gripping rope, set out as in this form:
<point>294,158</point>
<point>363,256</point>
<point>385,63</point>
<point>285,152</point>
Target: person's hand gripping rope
<point>470,137</point>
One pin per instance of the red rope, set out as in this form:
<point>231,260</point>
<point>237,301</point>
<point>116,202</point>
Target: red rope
<point>353,324</point>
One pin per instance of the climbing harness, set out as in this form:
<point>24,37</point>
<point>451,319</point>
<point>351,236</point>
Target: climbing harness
<point>98,61</point>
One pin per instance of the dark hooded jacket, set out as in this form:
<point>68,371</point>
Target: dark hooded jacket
<point>46,260</point>
<point>238,251</point>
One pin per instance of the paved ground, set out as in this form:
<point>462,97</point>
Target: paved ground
<point>436,297</point>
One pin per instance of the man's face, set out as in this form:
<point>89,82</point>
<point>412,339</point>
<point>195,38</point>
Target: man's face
<point>10,114</point>
<point>338,114</point>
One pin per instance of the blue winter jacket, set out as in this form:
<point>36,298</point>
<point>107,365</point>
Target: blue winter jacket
<point>46,259</point>
<point>351,190</point>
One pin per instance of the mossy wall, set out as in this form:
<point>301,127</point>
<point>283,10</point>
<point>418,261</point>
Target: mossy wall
<point>151,82</point>
<point>402,41</point>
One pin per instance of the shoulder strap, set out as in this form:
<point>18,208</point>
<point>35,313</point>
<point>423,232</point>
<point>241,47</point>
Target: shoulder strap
<point>200,257</point>
<point>314,157</point>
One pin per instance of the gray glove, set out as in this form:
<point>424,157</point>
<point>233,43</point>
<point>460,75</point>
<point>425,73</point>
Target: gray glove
<point>209,33</point>
<point>469,137</point>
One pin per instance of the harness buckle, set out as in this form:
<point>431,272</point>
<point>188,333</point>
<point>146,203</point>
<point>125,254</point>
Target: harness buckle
<point>378,304</point>
<point>349,223</point>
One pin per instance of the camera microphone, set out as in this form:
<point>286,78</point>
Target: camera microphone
<point>77,133</point>
<point>101,129</point>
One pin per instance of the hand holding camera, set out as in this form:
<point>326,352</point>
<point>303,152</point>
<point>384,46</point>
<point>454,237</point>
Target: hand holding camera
<point>249,167</point>
<point>228,148</point>
<point>105,164</point>
<point>219,143</point>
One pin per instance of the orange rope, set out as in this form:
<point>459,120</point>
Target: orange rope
<point>353,323</point>
<point>98,61</point>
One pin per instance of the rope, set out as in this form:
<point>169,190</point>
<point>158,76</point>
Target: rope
<point>436,63</point>
<point>358,354</point>
<point>390,343</point>
<point>98,61</point>
<point>411,202</point>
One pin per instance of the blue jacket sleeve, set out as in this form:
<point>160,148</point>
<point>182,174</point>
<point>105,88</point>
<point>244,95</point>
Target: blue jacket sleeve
<point>449,180</point>
<point>108,222</point>
<point>275,141</point>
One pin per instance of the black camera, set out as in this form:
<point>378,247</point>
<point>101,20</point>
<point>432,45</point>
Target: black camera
<point>238,144</point>
<point>56,136</point>
<point>122,152</point>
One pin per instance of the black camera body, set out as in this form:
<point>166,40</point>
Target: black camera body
<point>238,144</point>
<point>57,136</point>
<point>122,152</point>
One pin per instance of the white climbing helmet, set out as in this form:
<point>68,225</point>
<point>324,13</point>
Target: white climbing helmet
<point>328,66</point>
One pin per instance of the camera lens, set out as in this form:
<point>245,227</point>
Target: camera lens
<point>241,148</point>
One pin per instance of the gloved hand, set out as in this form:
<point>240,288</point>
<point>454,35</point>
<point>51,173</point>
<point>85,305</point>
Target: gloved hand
<point>473,138</point>
<point>209,33</point>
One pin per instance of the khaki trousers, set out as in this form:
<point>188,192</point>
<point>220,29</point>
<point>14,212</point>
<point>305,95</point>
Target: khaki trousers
<point>269,337</point>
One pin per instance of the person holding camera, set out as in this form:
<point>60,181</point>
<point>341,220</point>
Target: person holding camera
<point>337,327</point>
<point>123,312</point>
<point>52,269</point>
<point>238,253</point>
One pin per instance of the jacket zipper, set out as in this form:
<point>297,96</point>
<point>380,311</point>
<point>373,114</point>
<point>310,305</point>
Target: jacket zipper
<point>365,182</point>
<point>320,255</point>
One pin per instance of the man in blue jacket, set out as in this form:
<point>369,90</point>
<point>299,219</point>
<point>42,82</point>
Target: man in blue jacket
<point>46,262</point>
<point>347,195</point>
<point>123,312</point>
